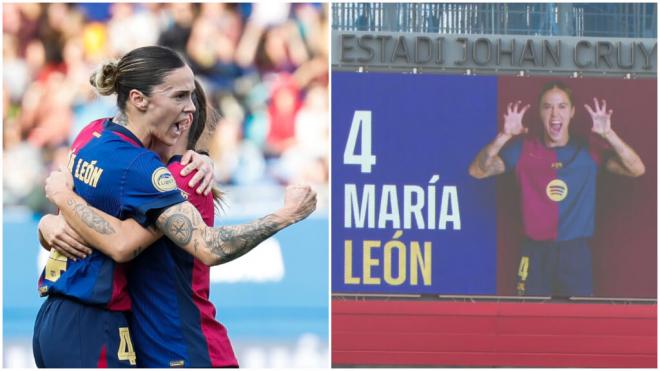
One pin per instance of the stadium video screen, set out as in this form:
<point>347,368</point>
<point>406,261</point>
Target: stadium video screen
<point>407,216</point>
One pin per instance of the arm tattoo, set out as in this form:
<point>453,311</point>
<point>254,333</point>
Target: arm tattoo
<point>489,165</point>
<point>483,160</point>
<point>231,242</point>
<point>90,218</point>
<point>179,228</point>
<point>181,225</point>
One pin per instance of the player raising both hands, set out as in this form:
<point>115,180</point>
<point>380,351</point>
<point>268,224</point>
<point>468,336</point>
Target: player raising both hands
<point>557,177</point>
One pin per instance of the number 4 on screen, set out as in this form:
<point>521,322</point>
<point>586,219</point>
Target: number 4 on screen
<point>361,125</point>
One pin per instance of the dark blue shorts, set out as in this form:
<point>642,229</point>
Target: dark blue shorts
<point>555,268</point>
<point>71,334</point>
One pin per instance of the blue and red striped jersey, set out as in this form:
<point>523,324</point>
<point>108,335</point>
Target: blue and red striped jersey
<point>173,321</point>
<point>113,172</point>
<point>557,185</point>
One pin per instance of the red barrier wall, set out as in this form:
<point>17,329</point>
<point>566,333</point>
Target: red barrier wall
<point>416,333</point>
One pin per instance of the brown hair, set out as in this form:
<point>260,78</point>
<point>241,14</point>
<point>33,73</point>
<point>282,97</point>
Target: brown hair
<point>557,85</point>
<point>205,117</point>
<point>199,120</point>
<point>140,69</point>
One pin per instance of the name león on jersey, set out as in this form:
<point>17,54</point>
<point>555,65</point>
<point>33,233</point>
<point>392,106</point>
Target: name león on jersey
<point>86,172</point>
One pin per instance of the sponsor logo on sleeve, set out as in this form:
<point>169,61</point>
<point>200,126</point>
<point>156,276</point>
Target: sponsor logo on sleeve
<point>162,180</point>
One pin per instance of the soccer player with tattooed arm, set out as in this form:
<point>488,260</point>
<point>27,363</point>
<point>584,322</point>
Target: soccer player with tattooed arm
<point>124,198</point>
<point>556,173</point>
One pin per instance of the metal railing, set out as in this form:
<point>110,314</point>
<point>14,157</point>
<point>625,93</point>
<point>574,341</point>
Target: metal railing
<point>634,20</point>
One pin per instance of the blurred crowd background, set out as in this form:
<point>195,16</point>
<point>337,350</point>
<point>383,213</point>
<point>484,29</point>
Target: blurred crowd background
<point>264,67</point>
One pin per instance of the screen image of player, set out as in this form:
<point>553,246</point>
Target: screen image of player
<point>408,217</point>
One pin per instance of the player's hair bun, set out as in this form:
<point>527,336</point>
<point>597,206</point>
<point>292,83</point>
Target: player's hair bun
<point>104,79</point>
<point>141,69</point>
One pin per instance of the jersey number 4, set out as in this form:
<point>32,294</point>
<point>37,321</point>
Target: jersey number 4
<point>523,268</point>
<point>125,351</point>
<point>55,265</point>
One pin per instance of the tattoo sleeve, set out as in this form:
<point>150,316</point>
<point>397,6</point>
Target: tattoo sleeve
<point>90,218</point>
<point>179,228</point>
<point>488,162</point>
<point>183,226</point>
<point>121,240</point>
<point>489,165</point>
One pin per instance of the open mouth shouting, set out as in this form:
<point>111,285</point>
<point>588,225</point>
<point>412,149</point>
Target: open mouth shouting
<point>178,127</point>
<point>555,128</point>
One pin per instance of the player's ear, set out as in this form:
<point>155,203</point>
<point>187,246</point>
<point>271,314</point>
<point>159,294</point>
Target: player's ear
<point>138,99</point>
